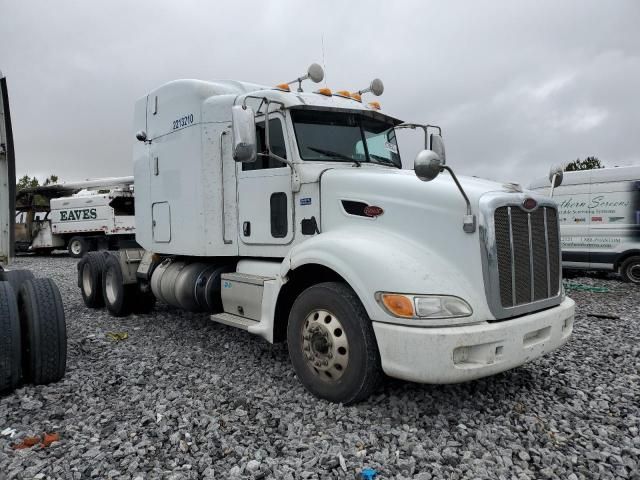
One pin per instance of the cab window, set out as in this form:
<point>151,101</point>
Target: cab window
<point>276,142</point>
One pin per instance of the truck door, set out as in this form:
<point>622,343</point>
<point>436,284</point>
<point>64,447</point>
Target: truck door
<point>265,200</point>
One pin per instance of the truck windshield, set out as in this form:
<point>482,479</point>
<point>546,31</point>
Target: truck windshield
<point>345,137</point>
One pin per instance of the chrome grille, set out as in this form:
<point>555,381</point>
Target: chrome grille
<point>528,255</point>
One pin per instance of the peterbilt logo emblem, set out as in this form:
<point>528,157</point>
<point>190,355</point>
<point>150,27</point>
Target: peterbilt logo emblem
<point>373,211</point>
<point>529,204</point>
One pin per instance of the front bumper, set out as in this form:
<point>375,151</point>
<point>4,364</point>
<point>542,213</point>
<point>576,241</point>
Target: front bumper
<point>458,354</point>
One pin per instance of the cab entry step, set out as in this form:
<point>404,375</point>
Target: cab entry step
<point>233,320</point>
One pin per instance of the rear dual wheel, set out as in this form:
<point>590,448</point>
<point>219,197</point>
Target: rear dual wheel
<point>332,345</point>
<point>33,334</point>
<point>16,278</point>
<point>90,270</point>
<point>121,299</point>
<point>10,344</point>
<point>43,332</point>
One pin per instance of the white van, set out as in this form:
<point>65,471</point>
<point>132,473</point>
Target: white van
<point>599,219</point>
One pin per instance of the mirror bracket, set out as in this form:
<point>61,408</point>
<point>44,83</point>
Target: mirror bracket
<point>555,177</point>
<point>425,129</point>
<point>469,222</point>
<point>295,176</point>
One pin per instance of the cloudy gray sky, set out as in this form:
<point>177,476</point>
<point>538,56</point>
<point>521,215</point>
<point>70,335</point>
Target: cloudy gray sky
<point>516,86</point>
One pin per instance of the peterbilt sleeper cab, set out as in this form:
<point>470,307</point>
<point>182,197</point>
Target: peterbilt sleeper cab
<point>288,214</point>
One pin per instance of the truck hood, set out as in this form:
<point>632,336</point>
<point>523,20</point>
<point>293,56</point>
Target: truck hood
<point>420,232</point>
<point>404,187</point>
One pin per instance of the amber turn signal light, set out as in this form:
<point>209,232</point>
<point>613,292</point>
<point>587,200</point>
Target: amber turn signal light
<point>398,305</point>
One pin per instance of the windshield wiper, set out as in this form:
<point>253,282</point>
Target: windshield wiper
<point>383,160</point>
<point>332,154</point>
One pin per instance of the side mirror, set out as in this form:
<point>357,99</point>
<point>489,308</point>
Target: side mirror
<point>244,134</point>
<point>315,73</point>
<point>427,165</point>
<point>376,87</point>
<point>437,145</point>
<point>555,176</point>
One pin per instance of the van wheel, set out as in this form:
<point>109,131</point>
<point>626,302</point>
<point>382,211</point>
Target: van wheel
<point>332,345</point>
<point>630,269</point>
<point>16,278</point>
<point>78,246</point>
<point>44,332</point>
<point>118,298</point>
<point>90,279</point>
<point>10,347</point>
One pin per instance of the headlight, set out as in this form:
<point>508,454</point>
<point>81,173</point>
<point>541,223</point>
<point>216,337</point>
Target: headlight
<point>424,306</point>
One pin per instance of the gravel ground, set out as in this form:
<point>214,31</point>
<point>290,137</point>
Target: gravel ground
<point>184,397</point>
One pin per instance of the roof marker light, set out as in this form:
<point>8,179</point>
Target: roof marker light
<point>343,93</point>
<point>284,87</point>
<point>374,105</point>
<point>356,96</point>
<point>324,91</point>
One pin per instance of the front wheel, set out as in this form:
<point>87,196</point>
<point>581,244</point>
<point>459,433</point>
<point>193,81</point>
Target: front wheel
<point>332,345</point>
<point>77,247</point>
<point>630,269</point>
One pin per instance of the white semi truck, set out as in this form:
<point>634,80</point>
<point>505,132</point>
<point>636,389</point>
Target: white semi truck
<point>79,217</point>
<point>33,339</point>
<point>287,214</point>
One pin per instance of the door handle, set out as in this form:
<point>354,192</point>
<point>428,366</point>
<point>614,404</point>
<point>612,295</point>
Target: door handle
<point>246,229</point>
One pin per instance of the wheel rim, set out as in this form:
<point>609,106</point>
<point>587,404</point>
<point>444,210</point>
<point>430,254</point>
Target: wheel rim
<point>325,346</point>
<point>110,286</point>
<point>633,272</point>
<point>86,281</point>
<point>76,248</point>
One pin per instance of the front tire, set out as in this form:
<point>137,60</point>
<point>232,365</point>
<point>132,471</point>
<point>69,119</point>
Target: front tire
<point>77,247</point>
<point>630,270</point>
<point>332,345</point>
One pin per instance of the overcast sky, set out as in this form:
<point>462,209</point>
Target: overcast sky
<point>516,86</point>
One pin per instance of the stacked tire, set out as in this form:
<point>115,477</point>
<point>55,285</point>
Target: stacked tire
<point>33,335</point>
<point>100,280</point>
